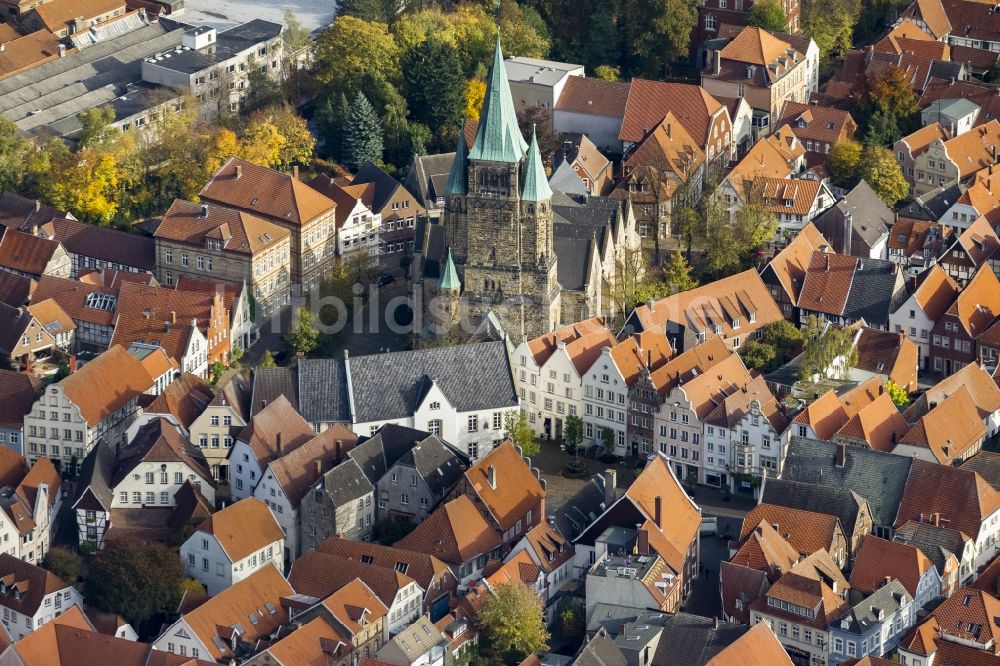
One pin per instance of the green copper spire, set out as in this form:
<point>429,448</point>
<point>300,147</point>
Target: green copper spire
<point>535,187</point>
<point>449,279</point>
<point>456,177</point>
<point>498,138</point>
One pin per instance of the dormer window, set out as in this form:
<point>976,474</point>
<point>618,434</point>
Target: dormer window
<point>753,317</point>
<point>735,323</point>
<point>718,329</point>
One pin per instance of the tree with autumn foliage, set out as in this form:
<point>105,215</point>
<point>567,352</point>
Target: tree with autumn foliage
<point>878,167</point>
<point>887,106</point>
<point>514,620</point>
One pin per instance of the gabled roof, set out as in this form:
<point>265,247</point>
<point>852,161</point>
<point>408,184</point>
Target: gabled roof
<point>545,345</point>
<point>763,160</point>
<point>214,621</point>
<point>320,574</point>
<point>878,424</point>
<point>275,430</point>
<point>974,378</point>
<point>936,293</point>
<point>105,384</point>
<point>498,138</point>
<point>878,559</point>
<point>669,148</point>
<point>592,96</point>
<point>455,533</point>
<point>18,392</point>
<point>827,283</point>
<point>843,503</point>
<point>790,265</point>
<point>817,123</point>
<point>647,350</point>
<point>242,528</point>
<point>757,647</point>
<point>756,46</point>
<point>239,232</point>
<point>26,253</point>
<point>978,304</point>
<point>423,568</point>
<point>26,585</point>
<point>244,185</point>
<point>649,101</point>
<point>790,196</point>
<point>805,531</point>
<point>315,643</point>
<point>961,498</point>
<point>950,429</point>
<point>971,615</point>
<point>688,365</point>
<point>936,542</point>
<point>297,470</point>
<point>15,290</point>
<point>159,442</point>
<point>385,185</point>
<point>764,549</point>
<point>515,489</point>
<point>111,245</point>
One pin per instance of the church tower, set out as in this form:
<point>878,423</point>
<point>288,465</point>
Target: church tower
<point>498,219</point>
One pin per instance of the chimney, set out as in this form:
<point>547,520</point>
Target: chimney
<point>3,47</point>
<point>887,580</point>
<point>318,468</point>
<point>277,443</point>
<point>881,389</point>
<point>841,455</point>
<point>894,438</point>
<point>717,62</point>
<point>239,171</point>
<point>173,316</point>
<point>936,519</point>
<point>72,362</point>
<point>623,630</point>
<point>339,448</point>
<point>657,510</point>
<point>491,476</point>
<point>642,542</point>
<point>295,172</point>
<point>610,481</point>
<point>62,50</point>
<point>715,622</point>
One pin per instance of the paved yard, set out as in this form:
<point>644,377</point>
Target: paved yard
<point>550,461</point>
<point>223,14</point>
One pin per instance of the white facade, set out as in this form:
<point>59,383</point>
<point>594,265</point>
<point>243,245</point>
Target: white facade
<point>154,484</point>
<point>960,217</point>
<point>475,433</point>
<point>680,430</point>
<point>405,608</point>
<point>548,394</point>
<point>244,471</point>
<point>755,447</point>
<point>210,432</point>
<point>605,402</point>
<point>181,639</point>
<point>911,319</point>
<point>206,561</point>
<point>270,492</point>
<point>19,625</point>
<point>360,231</point>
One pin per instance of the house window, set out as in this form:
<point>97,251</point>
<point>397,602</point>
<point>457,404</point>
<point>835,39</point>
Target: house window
<point>434,427</point>
<point>473,423</point>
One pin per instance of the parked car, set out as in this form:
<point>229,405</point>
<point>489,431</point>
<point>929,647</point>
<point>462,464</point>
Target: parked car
<point>709,526</point>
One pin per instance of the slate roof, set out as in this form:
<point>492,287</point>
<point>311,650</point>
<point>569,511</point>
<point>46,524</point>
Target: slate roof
<point>878,477</point>
<point>438,463</point>
<point>428,174</point>
<point>599,651</point>
<point>95,479</point>
<point>573,517</point>
<point>385,185</point>
<point>690,639</point>
<point>888,599</point>
<point>18,392</point>
<point>346,483</point>
<point>987,465</point>
<point>269,383</point>
<point>390,386</point>
<point>843,503</point>
<point>376,454</point>
<point>158,441</point>
<point>936,542</point>
<point>321,390</point>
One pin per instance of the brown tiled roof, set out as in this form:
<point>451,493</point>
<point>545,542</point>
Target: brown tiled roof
<point>919,140</point>
<point>162,316</point>
<point>90,240</point>
<point>551,548</point>
<point>296,470</point>
<point>983,192</point>
<point>757,647</point>
<point>320,574</point>
<point>185,399</point>
<point>973,57</point>
<point>828,282</point>
<point>26,253</point>
<point>315,643</point>
<point>763,160</point>
<point>239,232</point>
<point>717,303</point>
<point>515,490</point>
<point>12,466</point>
<point>243,528</point>
<point>962,498</point>
<point>980,241</point>
<point>877,349</point>
<point>978,304</point>
<point>806,531</point>
<point>346,196</point>
<point>790,265</point>
<point>354,602</point>
<point>689,364</point>
<point>57,15</point>
<point>742,584</point>
<point>777,193</point>
<point>586,349</point>
<point>826,415</point>
<point>235,604</point>
<point>910,236</point>
<point>159,442</point>
<point>593,97</point>
<point>807,592</point>
<point>879,559</point>
<point>277,421</point>
<point>15,290</point>
<point>710,389</point>
<point>268,192</point>
<point>29,51</point>
<point>30,582</point>
<point>973,150</point>
<point>649,101</point>
<point>970,614</point>
<point>936,293</point>
<point>818,123</point>
<point>105,384</point>
<point>51,316</point>
<point>756,46</point>
<point>668,148</point>
<point>647,350</point>
<point>18,392</point>
<point>454,533</point>
<point>974,378</point>
<point>544,346</point>
<point>519,570</point>
<point>766,550</point>
<point>950,429</point>
<point>680,517</point>
<point>421,567</point>
<point>72,297</point>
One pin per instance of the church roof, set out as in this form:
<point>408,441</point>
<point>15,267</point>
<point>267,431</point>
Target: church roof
<point>498,138</point>
<point>535,186</point>
<point>450,278</point>
<point>456,177</point>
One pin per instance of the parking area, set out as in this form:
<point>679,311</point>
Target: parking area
<point>223,14</point>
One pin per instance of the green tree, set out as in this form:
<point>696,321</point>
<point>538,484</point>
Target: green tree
<point>608,72</point>
<point>656,32</point>
<point>572,622</point>
<point>879,168</point>
<point>215,372</point>
<point>842,162</point>
<point>63,563</point>
<point>677,275</point>
<point>823,344</point>
<point>769,15</point>
<point>831,26</point>
<point>732,240</point>
<point>299,143</point>
<point>267,360</point>
<point>140,580</point>
<point>362,134</point>
<point>96,131</point>
<point>758,356</point>
<point>899,396</point>
<point>883,130</point>
<point>433,84</point>
<point>518,430</point>
<point>573,431</point>
<point>513,617</point>
<point>373,11</point>
<point>330,120</point>
<point>784,337</point>
<point>13,156</point>
<point>351,51</point>
<point>888,90</point>
<point>303,337</point>
<point>264,90</point>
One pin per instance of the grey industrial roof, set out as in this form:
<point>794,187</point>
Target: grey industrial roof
<point>863,616</point>
<point>534,70</point>
<point>878,477</point>
<point>228,44</point>
<point>843,503</point>
<point>472,377</point>
<point>57,91</point>
<point>955,107</point>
